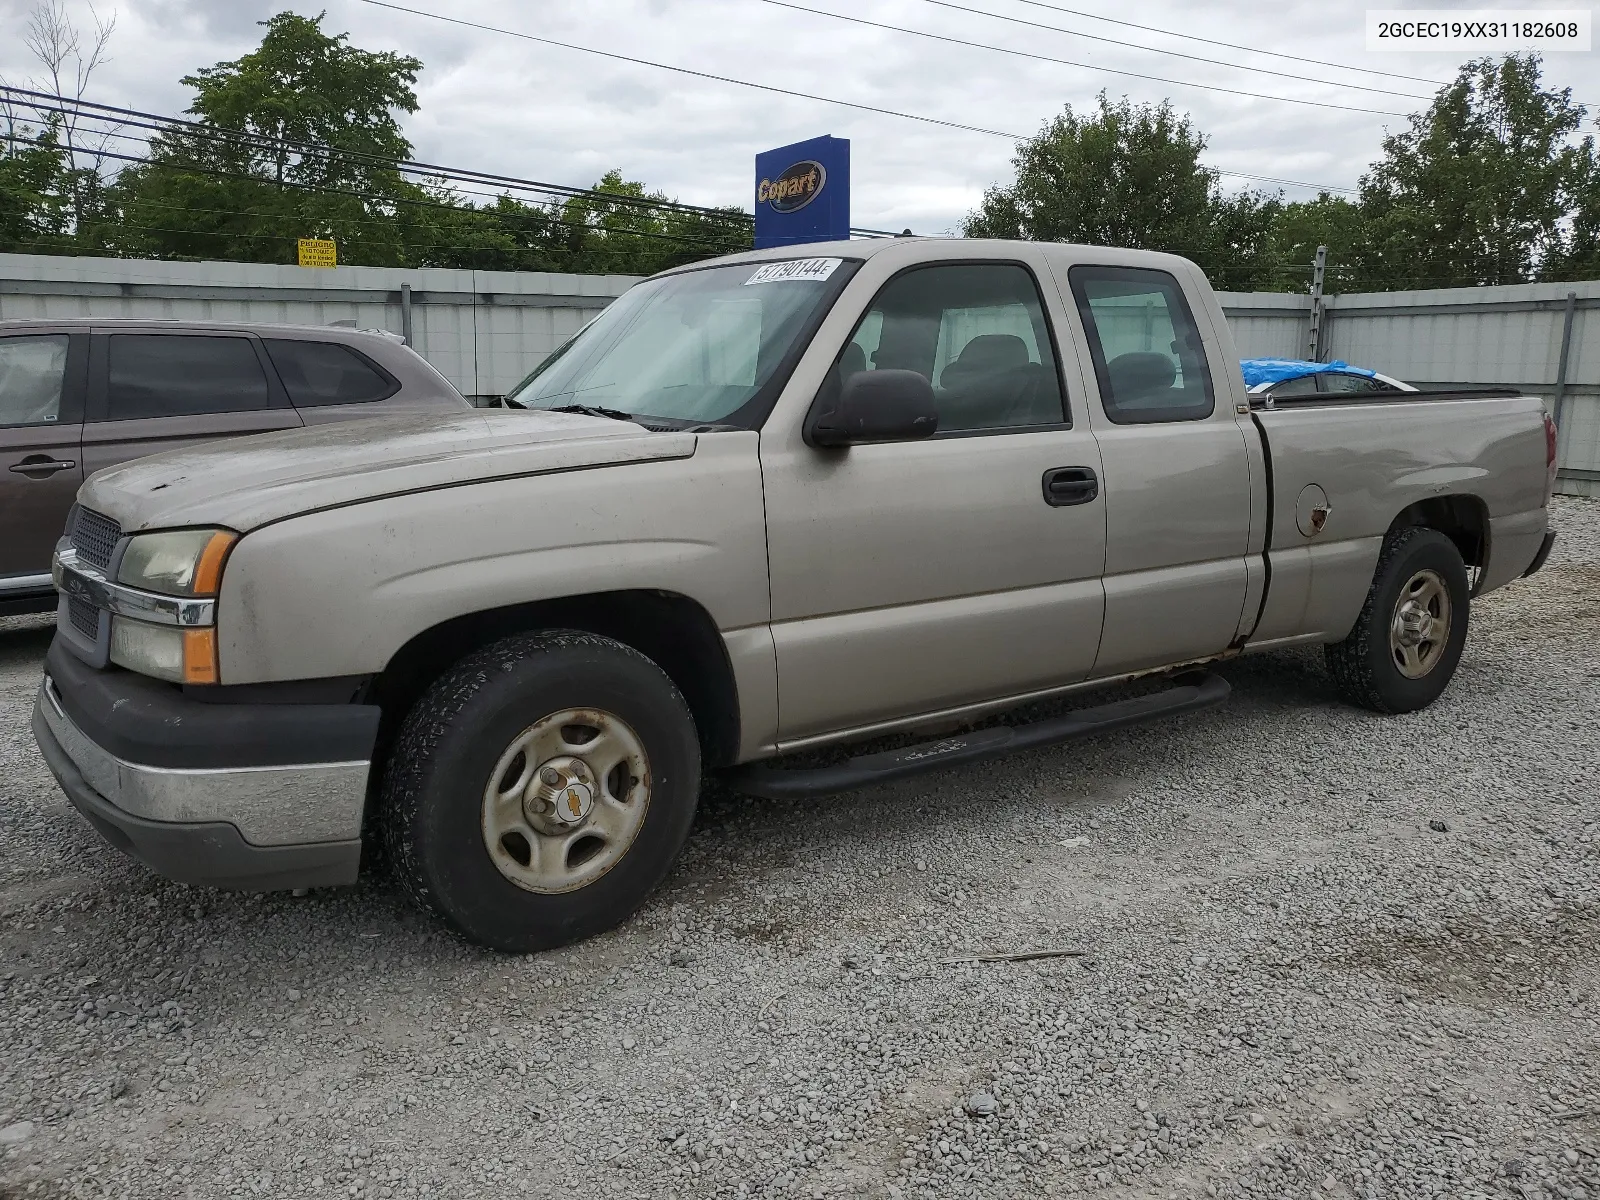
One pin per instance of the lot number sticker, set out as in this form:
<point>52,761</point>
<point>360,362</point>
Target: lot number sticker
<point>814,270</point>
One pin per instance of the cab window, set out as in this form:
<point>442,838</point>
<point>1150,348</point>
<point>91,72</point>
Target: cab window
<point>1149,358</point>
<point>977,333</point>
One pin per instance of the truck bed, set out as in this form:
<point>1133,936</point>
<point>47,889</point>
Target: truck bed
<point>1346,399</point>
<point>1485,445</point>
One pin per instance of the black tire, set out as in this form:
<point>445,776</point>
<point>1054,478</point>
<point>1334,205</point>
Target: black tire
<point>1363,666</point>
<point>433,790</point>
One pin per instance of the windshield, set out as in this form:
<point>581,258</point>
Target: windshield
<point>694,347</point>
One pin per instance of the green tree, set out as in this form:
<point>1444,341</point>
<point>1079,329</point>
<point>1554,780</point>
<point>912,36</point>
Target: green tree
<point>52,190</point>
<point>35,190</point>
<point>301,137</point>
<point>1579,257</point>
<point>616,237</point>
<point>298,139</point>
<point>1130,175</point>
<point>1300,226</point>
<point>1481,188</point>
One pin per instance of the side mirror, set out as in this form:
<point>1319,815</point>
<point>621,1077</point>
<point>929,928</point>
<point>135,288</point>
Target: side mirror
<point>876,406</point>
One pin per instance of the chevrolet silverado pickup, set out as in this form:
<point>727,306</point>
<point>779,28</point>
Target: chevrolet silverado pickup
<point>775,502</point>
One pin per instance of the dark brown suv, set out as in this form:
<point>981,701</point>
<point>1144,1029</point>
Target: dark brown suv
<point>80,395</point>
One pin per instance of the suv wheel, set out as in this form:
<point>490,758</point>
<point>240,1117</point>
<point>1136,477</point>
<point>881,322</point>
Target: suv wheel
<point>1405,645</point>
<point>541,789</point>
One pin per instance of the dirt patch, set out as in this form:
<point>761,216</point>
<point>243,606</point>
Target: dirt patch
<point>1472,957</point>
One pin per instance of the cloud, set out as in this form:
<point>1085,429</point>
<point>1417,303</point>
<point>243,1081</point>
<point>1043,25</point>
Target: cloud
<point>497,103</point>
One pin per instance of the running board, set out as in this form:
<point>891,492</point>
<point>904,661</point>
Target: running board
<point>775,783</point>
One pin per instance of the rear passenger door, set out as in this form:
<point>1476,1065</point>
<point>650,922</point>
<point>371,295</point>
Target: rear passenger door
<point>151,391</point>
<point>1176,469</point>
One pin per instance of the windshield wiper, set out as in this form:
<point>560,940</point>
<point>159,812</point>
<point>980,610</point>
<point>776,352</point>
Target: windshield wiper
<point>592,410</point>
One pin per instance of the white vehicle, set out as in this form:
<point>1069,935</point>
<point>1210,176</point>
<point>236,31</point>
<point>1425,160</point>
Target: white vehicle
<point>1280,377</point>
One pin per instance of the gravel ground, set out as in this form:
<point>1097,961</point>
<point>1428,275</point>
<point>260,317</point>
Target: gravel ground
<point>1320,953</point>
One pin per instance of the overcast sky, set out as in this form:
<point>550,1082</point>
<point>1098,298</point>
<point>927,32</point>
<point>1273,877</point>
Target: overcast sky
<point>499,103</point>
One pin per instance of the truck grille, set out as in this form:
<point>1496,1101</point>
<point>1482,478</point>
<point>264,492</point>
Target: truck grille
<point>94,537</point>
<point>84,616</point>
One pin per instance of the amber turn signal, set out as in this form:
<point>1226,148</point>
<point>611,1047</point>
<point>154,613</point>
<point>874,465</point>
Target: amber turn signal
<point>200,656</point>
<point>208,569</point>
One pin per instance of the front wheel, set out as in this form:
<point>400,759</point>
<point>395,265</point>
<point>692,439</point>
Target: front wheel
<point>541,789</point>
<point>1405,645</point>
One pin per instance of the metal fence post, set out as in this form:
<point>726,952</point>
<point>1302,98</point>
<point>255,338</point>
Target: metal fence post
<point>1314,334</point>
<point>1560,399</point>
<point>1561,369</point>
<point>405,314</point>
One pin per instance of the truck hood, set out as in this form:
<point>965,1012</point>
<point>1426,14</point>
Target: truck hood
<point>246,482</point>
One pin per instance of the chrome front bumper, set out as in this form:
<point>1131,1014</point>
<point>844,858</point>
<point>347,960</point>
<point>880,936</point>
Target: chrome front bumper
<point>251,828</point>
<point>269,806</point>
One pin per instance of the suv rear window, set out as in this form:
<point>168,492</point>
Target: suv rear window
<point>318,373</point>
<point>182,375</point>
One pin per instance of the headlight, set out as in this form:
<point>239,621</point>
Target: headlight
<point>185,562</point>
<point>155,650</point>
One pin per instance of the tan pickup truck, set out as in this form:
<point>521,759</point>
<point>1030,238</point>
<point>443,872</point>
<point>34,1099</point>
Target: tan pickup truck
<point>762,504</point>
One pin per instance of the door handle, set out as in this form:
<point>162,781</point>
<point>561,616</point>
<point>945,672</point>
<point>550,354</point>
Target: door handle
<point>1070,485</point>
<point>41,466</point>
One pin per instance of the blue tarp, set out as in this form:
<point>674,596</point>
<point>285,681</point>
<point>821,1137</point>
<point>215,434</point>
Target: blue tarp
<point>1276,370</point>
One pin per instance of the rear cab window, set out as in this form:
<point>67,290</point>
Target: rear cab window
<point>321,373</point>
<point>183,375</point>
<point>1149,358</point>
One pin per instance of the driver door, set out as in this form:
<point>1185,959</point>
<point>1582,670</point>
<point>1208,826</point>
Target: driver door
<point>917,577</point>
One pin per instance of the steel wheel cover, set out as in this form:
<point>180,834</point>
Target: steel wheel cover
<point>566,800</point>
<point>1419,630</point>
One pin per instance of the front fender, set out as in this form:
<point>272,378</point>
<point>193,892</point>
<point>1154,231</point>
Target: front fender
<point>338,592</point>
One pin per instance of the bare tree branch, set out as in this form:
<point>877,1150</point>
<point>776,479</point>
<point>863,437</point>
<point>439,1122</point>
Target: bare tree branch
<point>58,46</point>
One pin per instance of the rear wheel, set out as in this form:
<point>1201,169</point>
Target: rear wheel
<point>541,789</point>
<point>1405,645</point>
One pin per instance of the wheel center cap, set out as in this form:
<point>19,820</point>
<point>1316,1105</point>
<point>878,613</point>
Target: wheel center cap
<point>1416,624</point>
<point>574,803</point>
<point>561,792</point>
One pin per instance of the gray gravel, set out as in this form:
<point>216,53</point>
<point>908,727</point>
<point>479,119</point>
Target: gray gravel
<point>1325,954</point>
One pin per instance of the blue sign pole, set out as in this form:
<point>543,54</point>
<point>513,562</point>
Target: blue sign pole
<point>803,193</point>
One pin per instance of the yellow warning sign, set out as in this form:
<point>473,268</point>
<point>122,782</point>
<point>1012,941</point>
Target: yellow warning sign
<point>318,252</point>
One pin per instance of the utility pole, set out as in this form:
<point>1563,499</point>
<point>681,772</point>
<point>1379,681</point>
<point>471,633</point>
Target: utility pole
<point>1319,267</point>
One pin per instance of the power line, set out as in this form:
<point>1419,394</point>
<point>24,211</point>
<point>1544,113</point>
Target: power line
<point>645,62</point>
<point>545,215</point>
<point>319,189</point>
<point>955,41</point>
<point>1015,137</point>
<point>1433,83</point>
<point>266,141</point>
<point>1171,53</point>
<point>732,218</point>
<point>223,135</point>
<point>434,171</point>
<point>137,118</point>
<point>1192,37</point>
